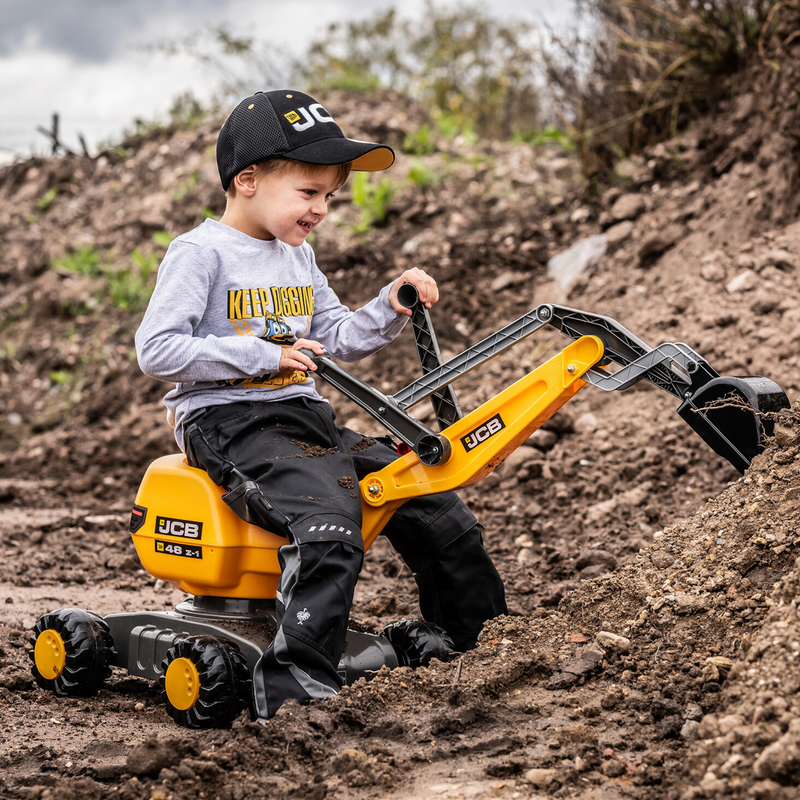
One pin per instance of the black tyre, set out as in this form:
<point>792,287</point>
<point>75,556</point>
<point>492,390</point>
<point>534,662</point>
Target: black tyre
<point>206,681</point>
<point>72,650</point>
<point>416,642</point>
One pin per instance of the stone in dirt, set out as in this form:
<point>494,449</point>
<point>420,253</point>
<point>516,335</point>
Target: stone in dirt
<point>569,265</point>
<point>628,207</point>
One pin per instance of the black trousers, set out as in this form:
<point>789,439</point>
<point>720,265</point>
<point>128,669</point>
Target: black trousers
<point>288,466</point>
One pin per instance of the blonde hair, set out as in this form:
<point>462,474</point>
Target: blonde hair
<point>280,166</point>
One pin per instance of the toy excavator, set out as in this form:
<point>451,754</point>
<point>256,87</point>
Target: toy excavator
<point>203,651</point>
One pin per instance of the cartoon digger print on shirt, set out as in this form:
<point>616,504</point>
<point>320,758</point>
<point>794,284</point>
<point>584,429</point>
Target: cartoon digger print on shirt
<point>245,305</point>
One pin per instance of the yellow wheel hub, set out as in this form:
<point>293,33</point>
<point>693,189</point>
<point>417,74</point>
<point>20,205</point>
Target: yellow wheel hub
<point>49,653</point>
<point>182,683</point>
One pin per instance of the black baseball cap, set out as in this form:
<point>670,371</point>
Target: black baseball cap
<point>290,124</point>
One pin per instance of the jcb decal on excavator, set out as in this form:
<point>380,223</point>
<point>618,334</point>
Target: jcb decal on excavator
<point>483,432</point>
<point>185,528</point>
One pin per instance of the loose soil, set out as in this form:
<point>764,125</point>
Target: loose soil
<point>652,645</point>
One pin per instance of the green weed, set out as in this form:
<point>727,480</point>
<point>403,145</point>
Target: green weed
<point>372,198</point>
<point>420,176</point>
<point>130,288</point>
<point>187,185</point>
<point>162,239</point>
<point>551,135</point>
<point>46,200</point>
<point>84,261</point>
<point>61,377</point>
<point>420,142</point>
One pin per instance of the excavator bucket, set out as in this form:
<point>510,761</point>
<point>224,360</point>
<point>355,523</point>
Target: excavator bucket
<point>734,415</point>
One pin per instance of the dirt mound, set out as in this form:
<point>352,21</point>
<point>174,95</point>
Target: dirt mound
<point>651,587</point>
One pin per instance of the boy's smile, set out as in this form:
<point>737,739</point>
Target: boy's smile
<point>286,205</point>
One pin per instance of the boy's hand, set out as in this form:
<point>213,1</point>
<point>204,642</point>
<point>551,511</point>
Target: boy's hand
<point>426,286</point>
<point>292,358</point>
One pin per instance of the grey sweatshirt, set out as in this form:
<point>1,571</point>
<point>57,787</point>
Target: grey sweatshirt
<point>223,305</point>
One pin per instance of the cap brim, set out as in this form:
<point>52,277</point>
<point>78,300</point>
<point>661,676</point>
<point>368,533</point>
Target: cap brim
<point>365,156</point>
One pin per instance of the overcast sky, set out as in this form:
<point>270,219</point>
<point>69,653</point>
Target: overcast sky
<point>86,59</point>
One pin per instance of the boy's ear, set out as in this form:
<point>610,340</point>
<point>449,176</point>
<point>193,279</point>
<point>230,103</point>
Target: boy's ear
<point>245,181</point>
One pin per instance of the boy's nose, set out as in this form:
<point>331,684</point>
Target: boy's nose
<point>319,206</point>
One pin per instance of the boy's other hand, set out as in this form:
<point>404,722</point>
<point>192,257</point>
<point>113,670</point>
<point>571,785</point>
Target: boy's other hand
<point>292,358</point>
<point>425,285</point>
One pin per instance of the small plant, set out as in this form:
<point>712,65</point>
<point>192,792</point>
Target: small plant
<point>162,239</point>
<point>420,176</point>
<point>551,135</point>
<point>372,198</point>
<point>46,200</point>
<point>130,288</point>
<point>420,143</point>
<point>187,185</point>
<point>127,288</point>
<point>61,377</point>
<point>84,261</point>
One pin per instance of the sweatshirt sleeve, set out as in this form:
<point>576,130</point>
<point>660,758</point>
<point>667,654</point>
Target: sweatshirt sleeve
<point>167,346</point>
<point>352,335</point>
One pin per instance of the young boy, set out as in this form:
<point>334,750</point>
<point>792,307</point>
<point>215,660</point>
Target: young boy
<point>235,303</point>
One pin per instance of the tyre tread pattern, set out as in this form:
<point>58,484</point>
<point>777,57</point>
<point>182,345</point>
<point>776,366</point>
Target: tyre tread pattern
<point>225,684</point>
<point>89,652</point>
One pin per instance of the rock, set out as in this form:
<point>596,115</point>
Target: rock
<point>745,106</point>
<point>712,267</point>
<point>586,423</point>
<point>745,281</point>
<point>632,498</point>
<point>690,603</point>
<point>506,279</point>
<point>613,698</point>
<point>661,708</point>
<point>153,755</point>
<point>541,777</point>
<point>595,556</point>
<point>613,769</point>
<point>543,440</point>
<point>613,642</point>
<point>659,242</point>
<point>661,559</point>
<point>517,460</point>
<point>123,562</point>
<point>629,169</point>
<point>689,730</point>
<point>580,215</point>
<point>693,712</point>
<point>782,259</point>
<point>588,661</point>
<point>629,206</point>
<point>569,265</point>
<point>729,722</point>
<point>781,760</point>
<point>619,233</point>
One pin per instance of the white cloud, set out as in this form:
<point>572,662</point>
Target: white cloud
<point>99,88</point>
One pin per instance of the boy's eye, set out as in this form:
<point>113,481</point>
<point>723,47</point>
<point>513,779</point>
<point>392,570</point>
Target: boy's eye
<point>330,196</point>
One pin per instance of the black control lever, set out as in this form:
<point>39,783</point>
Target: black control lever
<point>431,448</point>
<point>444,401</point>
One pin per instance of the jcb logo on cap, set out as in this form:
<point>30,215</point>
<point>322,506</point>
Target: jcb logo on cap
<point>313,114</point>
<point>483,432</point>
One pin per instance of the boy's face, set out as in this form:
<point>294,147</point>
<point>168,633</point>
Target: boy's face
<point>288,205</point>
